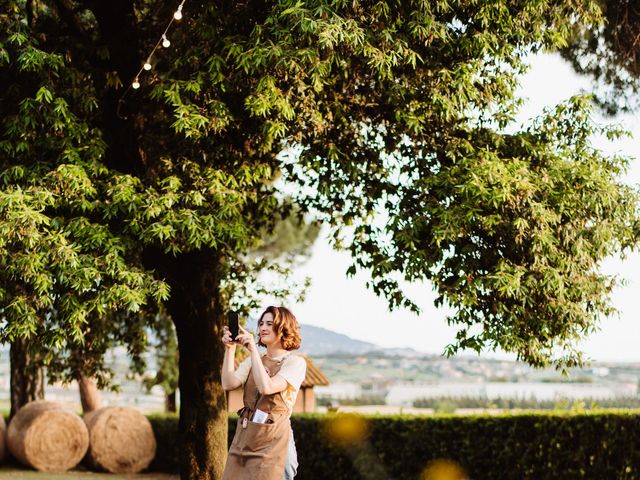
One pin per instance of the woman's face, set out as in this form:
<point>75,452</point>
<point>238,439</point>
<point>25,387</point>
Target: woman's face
<point>265,329</point>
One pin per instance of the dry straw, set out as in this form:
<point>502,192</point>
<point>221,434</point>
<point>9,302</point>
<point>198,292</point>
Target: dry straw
<point>122,440</point>
<point>47,436</point>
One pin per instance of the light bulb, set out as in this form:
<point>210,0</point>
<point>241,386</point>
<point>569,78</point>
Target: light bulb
<point>135,84</point>
<point>147,65</point>
<point>178,14</point>
<point>165,41</point>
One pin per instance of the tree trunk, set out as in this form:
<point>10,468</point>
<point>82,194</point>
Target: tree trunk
<point>195,309</point>
<point>170,402</point>
<point>27,376</point>
<point>89,394</point>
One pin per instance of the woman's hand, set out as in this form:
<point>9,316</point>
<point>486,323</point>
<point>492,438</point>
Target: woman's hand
<point>246,339</point>
<point>227,340</point>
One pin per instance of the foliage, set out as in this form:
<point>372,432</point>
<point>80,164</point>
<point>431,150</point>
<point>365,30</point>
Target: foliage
<point>542,446</point>
<point>526,403</point>
<point>276,253</point>
<point>74,227</point>
<point>166,356</point>
<point>267,269</point>
<point>609,52</point>
<point>63,269</point>
<point>515,232</point>
<point>165,429</point>
<point>361,400</point>
<point>397,148</point>
<point>390,110</point>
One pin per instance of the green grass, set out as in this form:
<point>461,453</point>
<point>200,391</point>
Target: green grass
<point>11,472</point>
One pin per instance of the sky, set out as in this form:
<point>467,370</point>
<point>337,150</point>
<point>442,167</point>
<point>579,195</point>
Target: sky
<point>346,306</point>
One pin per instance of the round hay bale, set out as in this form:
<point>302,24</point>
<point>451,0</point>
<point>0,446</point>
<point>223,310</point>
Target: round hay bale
<point>47,436</point>
<point>121,440</point>
<point>3,439</point>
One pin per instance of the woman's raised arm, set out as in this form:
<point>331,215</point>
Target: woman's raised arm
<point>229,379</point>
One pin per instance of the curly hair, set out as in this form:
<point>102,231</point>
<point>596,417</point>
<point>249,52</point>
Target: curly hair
<point>285,326</point>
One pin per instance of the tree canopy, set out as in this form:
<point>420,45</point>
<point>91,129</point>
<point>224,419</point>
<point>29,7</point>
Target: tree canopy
<point>391,121</point>
<point>609,52</point>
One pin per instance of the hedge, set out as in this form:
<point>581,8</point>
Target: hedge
<point>521,446</point>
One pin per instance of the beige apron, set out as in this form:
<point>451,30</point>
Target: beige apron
<point>259,450</point>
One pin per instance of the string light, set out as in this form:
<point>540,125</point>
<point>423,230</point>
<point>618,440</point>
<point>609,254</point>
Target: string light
<point>178,14</point>
<point>146,66</point>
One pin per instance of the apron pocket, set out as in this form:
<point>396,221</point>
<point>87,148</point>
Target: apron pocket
<point>275,417</point>
<point>259,437</point>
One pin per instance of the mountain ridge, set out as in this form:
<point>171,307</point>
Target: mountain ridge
<point>322,341</point>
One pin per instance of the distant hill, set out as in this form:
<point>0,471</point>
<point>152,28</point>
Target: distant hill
<point>320,341</point>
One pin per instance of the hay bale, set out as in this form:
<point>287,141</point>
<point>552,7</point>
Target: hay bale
<point>47,436</point>
<point>121,440</point>
<point>3,438</point>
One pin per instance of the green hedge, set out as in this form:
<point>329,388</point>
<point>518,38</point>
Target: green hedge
<point>167,457</point>
<point>526,446</point>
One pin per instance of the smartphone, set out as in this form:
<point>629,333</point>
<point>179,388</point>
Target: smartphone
<point>232,318</point>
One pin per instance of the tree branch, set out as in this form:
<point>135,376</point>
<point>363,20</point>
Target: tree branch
<point>68,15</point>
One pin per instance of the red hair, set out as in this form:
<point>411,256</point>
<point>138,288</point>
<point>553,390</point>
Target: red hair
<point>285,326</point>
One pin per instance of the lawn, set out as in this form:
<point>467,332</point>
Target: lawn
<point>11,472</point>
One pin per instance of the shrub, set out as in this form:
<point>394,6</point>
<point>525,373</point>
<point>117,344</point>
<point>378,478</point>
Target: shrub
<point>528,403</point>
<point>604,445</point>
<point>165,427</point>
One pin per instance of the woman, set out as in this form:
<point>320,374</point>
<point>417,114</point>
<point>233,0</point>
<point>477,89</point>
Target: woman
<point>263,446</point>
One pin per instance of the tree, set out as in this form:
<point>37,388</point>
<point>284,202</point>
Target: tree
<point>287,245</point>
<point>609,52</point>
<point>82,359</point>
<point>27,376</point>
<point>90,397</point>
<point>391,120</point>
<point>166,362</point>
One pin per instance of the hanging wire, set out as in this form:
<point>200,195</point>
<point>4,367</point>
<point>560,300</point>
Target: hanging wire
<point>146,66</point>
